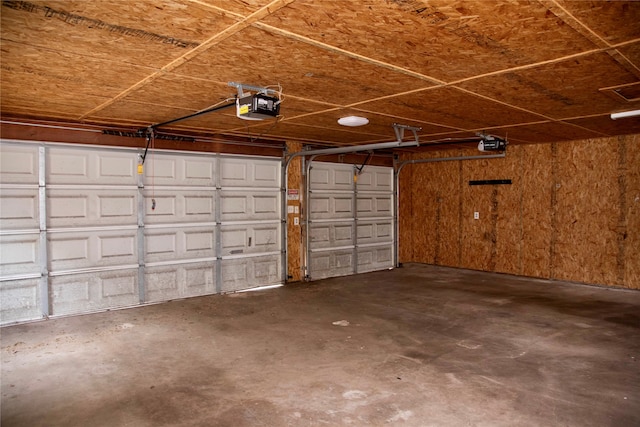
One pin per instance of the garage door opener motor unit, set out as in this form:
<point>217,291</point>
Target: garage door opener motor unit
<point>256,106</point>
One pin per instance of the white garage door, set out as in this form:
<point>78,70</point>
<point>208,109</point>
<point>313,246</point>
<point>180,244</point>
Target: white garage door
<point>80,231</point>
<point>351,219</point>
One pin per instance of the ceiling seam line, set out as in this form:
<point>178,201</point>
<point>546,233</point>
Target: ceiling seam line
<point>344,52</point>
<point>591,35</point>
<point>502,103</point>
<point>575,22</point>
<point>527,66</point>
<point>204,46</point>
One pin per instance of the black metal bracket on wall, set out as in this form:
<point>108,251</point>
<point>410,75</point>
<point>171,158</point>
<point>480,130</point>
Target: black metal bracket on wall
<point>490,182</point>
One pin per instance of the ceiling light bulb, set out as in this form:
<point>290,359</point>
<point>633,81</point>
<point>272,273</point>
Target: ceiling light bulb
<point>353,121</point>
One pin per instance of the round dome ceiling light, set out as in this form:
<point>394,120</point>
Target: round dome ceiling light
<point>353,121</point>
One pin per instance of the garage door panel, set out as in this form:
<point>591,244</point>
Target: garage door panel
<point>73,208</point>
<point>380,231</point>
<point>19,164</point>
<point>167,244</point>
<point>330,263</point>
<point>375,258</point>
<point>81,293</point>
<point>331,176</point>
<point>95,232</point>
<point>250,272</point>
<point>180,281</point>
<point>199,279</point>
<point>179,206</point>
<point>20,300</point>
<point>82,166</point>
<point>19,209</point>
<point>250,238</point>
<point>86,249</point>
<point>19,254</point>
<point>375,205</point>
<point>331,234</point>
<point>244,172</point>
<point>376,178</point>
<point>246,206</point>
<point>366,204</point>
<point>179,170</point>
<point>163,283</point>
<point>329,206</point>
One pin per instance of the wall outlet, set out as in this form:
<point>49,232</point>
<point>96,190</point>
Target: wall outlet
<point>476,215</point>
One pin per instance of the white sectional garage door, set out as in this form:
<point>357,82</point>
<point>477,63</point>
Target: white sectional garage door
<point>81,231</point>
<point>351,219</point>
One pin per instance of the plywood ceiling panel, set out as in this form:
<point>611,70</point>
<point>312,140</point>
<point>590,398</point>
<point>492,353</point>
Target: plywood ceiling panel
<point>307,71</point>
<point>613,21</point>
<point>535,70</point>
<point>608,126</point>
<point>378,124</point>
<point>547,132</point>
<point>138,33</point>
<point>452,108</point>
<point>569,88</point>
<point>447,40</point>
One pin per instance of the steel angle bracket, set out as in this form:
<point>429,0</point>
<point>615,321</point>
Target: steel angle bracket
<point>241,87</point>
<point>399,130</point>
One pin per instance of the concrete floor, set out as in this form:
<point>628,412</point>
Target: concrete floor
<point>424,346</point>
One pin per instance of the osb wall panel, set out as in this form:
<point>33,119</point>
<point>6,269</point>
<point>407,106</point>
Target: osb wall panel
<point>629,222</point>
<point>586,212</point>
<point>434,224</point>
<point>294,232</point>
<point>449,217</point>
<point>535,163</point>
<point>491,242</point>
<point>405,215</point>
<point>572,212</point>
<point>506,253</point>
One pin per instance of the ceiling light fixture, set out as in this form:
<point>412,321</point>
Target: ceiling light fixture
<point>353,121</point>
<point>625,114</point>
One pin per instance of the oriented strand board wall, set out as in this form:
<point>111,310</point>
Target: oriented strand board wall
<point>572,212</point>
<point>294,232</point>
<point>629,224</point>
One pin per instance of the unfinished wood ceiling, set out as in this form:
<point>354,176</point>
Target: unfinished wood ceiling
<point>531,71</point>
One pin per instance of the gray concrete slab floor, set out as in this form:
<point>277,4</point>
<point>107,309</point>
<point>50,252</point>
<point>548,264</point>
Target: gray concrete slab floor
<point>419,346</point>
